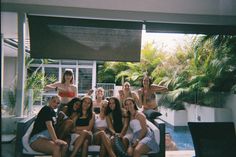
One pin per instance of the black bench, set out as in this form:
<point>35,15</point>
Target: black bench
<point>24,124</point>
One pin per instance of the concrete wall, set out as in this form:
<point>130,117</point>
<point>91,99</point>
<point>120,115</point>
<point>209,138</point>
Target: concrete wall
<point>175,118</point>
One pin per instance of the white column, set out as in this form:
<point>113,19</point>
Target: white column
<point>2,68</point>
<point>94,77</point>
<point>21,65</point>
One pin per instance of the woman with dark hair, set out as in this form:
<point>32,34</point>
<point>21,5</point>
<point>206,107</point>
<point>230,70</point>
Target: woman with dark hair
<point>147,94</point>
<point>67,117</point>
<point>103,130</point>
<point>65,89</point>
<point>83,126</point>
<point>143,139</point>
<point>119,119</point>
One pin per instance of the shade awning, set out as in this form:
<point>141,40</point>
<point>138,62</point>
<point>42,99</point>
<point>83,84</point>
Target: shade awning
<point>84,39</point>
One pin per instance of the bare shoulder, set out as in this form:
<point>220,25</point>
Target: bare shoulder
<point>140,115</point>
<point>74,86</point>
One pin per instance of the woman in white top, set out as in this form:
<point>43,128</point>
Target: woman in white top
<point>99,97</point>
<point>103,129</point>
<point>143,139</point>
<point>126,92</point>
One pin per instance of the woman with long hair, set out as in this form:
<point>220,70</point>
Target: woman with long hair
<point>119,118</point>
<point>65,89</point>
<point>147,94</point>
<point>82,133</point>
<point>67,118</point>
<point>103,130</point>
<point>143,139</point>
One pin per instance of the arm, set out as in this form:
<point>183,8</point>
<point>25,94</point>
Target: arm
<point>53,134</point>
<point>62,114</point>
<point>75,89</point>
<point>110,126</point>
<point>143,123</point>
<point>157,88</point>
<point>126,124</point>
<point>140,92</point>
<point>52,86</point>
<point>136,99</point>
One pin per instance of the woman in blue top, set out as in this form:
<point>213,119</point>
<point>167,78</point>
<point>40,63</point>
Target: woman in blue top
<point>43,137</point>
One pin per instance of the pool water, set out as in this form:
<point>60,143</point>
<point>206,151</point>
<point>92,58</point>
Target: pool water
<point>181,136</point>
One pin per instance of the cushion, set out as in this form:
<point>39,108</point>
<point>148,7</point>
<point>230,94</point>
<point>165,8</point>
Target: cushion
<point>25,141</point>
<point>155,130</point>
<point>151,114</point>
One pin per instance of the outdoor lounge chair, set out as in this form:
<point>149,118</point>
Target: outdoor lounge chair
<point>213,139</point>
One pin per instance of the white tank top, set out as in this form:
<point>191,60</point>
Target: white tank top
<point>135,125</point>
<point>100,123</point>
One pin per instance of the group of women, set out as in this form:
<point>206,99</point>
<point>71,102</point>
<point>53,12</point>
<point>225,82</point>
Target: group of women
<point>82,121</point>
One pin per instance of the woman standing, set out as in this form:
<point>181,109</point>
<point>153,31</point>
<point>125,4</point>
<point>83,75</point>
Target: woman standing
<point>83,130</point>
<point>99,97</point>
<point>43,137</point>
<point>147,94</point>
<point>65,89</point>
<point>143,139</point>
<point>126,92</point>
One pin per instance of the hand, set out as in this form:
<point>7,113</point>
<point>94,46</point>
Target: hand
<point>60,142</point>
<point>135,144</point>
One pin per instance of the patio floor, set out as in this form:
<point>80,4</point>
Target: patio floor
<point>8,151</point>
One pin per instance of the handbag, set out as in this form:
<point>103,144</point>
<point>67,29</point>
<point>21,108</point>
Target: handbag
<point>119,147</point>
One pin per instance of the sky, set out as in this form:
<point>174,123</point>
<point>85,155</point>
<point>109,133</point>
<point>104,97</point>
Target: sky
<point>168,41</point>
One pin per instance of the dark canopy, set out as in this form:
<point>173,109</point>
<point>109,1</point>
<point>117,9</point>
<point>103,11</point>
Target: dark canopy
<point>84,39</point>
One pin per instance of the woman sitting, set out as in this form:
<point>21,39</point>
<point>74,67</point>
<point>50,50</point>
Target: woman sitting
<point>143,139</point>
<point>119,118</point>
<point>84,124</point>
<point>103,130</point>
<point>43,137</point>
<point>67,118</point>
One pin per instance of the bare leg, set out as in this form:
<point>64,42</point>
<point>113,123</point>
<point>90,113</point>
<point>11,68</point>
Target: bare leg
<point>47,146</point>
<point>102,151</point>
<point>65,129</point>
<point>126,143</point>
<point>140,149</point>
<point>85,148</point>
<point>78,143</point>
<point>130,151</point>
<point>107,144</point>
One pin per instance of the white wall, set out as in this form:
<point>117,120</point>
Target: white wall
<point>10,68</point>
<point>231,104</point>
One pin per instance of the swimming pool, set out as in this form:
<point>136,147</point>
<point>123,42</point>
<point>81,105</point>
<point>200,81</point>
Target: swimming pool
<point>181,136</point>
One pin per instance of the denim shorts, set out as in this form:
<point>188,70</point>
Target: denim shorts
<point>43,134</point>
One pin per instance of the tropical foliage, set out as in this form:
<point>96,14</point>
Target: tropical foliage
<point>197,72</point>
